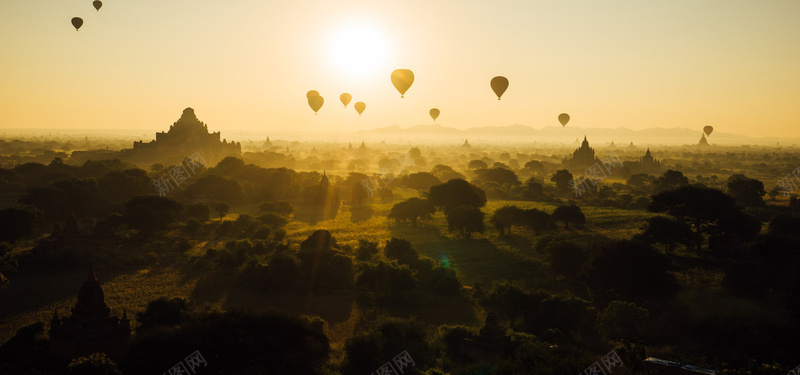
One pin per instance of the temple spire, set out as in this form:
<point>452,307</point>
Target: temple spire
<point>92,276</point>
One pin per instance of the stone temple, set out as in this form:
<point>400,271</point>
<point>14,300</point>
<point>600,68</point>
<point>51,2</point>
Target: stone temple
<point>581,159</point>
<point>91,328</point>
<point>185,137</point>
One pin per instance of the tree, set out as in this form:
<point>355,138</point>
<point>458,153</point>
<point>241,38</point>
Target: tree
<point>198,211</point>
<point>445,173</point>
<point>388,282</point>
<point>477,164</point>
<point>366,250</point>
<point>466,220</point>
<point>639,180</point>
<point>534,191</point>
<point>732,231</point>
<point>666,231</point>
<point>563,180</point>
<point>622,321</point>
<point>18,222</point>
<point>119,186</point>
<point>539,221</point>
<point>420,181</point>
<point>215,187</point>
<point>161,312</point>
<point>565,258</point>
<point>630,271</point>
<point>507,216</point>
<point>7,262</point>
<point>222,208</point>
<point>569,214</point>
<point>707,211</point>
<point>60,198</point>
<point>534,166</point>
<point>412,210</point>
<point>281,207</point>
<point>273,220</point>
<point>401,250</point>
<point>93,364</point>
<point>671,180</point>
<point>785,227</point>
<point>499,176</point>
<point>359,193</point>
<point>230,166</point>
<point>150,213</point>
<point>456,192</point>
<point>747,192</point>
<point>367,351</point>
<point>744,280</point>
<point>299,342</point>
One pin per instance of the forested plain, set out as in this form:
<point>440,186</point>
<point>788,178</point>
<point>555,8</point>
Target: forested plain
<point>301,257</point>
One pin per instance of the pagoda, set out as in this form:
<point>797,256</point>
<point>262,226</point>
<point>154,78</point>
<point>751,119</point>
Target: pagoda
<point>91,328</point>
<point>582,158</point>
<point>647,164</point>
<point>185,137</point>
<point>703,141</point>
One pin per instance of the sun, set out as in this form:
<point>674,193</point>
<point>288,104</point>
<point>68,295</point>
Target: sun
<point>358,50</point>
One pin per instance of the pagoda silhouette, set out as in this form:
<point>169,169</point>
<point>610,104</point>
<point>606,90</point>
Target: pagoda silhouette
<point>91,328</point>
<point>703,141</point>
<point>582,158</point>
<point>185,137</point>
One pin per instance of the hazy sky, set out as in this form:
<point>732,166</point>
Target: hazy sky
<point>247,64</point>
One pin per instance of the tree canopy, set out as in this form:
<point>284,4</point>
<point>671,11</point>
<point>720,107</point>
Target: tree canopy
<point>454,193</point>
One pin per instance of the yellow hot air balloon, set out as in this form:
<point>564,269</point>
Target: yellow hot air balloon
<point>77,22</point>
<point>345,98</point>
<point>563,119</point>
<point>315,102</point>
<point>402,80</point>
<point>360,107</point>
<point>97,4</point>
<point>311,94</point>
<point>708,129</point>
<point>499,85</point>
<point>434,113</point>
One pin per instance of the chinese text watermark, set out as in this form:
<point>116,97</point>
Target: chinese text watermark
<point>788,184</point>
<point>401,362</point>
<point>193,362</point>
<point>179,174</point>
<point>595,173</point>
<point>609,361</point>
<point>389,172</point>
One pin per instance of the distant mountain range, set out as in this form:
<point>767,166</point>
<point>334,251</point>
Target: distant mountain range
<point>566,135</point>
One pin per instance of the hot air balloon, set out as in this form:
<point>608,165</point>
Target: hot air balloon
<point>97,4</point>
<point>345,98</point>
<point>77,22</point>
<point>402,80</point>
<point>708,129</point>
<point>311,94</point>
<point>563,119</point>
<point>315,102</point>
<point>360,107</point>
<point>434,113</point>
<point>499,85</point>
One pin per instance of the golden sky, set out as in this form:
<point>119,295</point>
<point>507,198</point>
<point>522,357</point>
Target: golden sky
<point>247,64</point>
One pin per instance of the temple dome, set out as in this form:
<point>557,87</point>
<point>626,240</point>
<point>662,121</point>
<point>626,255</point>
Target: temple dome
<point>91,301</point>
<point>188,116</point>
